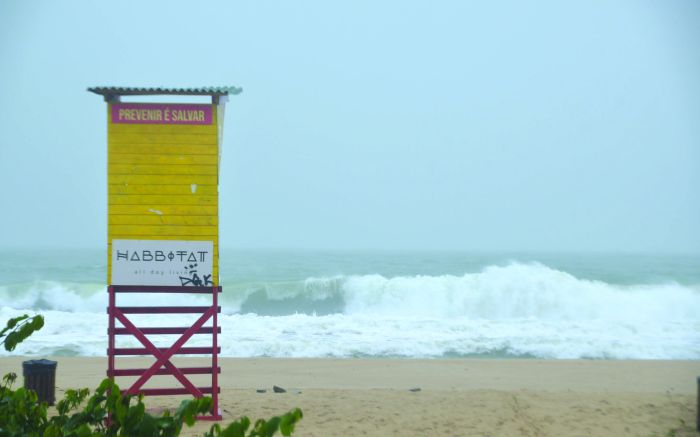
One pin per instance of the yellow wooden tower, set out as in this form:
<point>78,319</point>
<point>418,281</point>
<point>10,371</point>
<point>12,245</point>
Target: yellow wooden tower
<point>163,175</point>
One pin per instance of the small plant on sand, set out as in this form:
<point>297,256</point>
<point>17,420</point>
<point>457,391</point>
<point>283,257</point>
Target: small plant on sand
<point>107,412</point>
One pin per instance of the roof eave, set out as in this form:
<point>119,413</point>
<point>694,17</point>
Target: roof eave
<point>113,93</point>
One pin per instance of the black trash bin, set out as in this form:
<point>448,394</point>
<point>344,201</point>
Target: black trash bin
<point>40,376</point>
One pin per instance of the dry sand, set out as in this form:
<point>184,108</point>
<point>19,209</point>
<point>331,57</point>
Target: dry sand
<point>457,397</point>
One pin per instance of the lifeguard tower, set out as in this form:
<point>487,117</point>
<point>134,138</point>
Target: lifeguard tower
<point>163,226</point>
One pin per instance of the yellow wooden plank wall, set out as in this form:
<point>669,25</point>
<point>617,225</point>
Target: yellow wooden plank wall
<point>163,183</point>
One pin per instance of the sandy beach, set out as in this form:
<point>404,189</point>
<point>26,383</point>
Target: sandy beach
<point>458,397</point>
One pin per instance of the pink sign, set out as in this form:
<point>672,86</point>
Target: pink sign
<point>161,113</point>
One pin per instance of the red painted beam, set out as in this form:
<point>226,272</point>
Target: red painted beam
<point>215,417</point>
<point>144,351</point>
<point>171,391</point>
<point>204,330</point>
<point>165,310</point>
<point>163,289</point>
<point>185,370</point>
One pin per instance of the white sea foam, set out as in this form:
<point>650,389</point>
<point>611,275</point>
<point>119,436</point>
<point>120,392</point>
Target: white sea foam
<point>512,310</point>
<point>518,291</point>
<point>79,297</point>
<point>301,335</point>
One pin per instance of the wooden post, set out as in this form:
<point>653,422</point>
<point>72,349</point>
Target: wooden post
<point>110,333</point>
<point>215,356</point>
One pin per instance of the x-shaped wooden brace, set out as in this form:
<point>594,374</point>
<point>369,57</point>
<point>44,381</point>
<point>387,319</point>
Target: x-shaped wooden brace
<point>163,358</point>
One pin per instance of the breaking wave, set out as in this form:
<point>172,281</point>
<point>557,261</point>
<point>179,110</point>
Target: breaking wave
<point>526,310</point>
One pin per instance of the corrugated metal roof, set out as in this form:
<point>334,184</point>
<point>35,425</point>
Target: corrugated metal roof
<point>159,91</point>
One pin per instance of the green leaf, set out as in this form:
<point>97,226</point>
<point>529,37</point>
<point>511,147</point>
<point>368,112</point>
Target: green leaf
<point>9,379</point>
<point>271,426</point>
<point>289,420</point>
<point>11,341</point>
<point>147,427</point>
<point>104,385</point>
<point>287,425</point>
<point>236,429</point>
<point>52,431</point>
<point>188,409</point>
<point>37,322</point>
<point>13,322</point>
<point>120,411</point>
<point>213,431</point>
<point>19,333</point>
<point>134,415</point>
<point>83,431</point>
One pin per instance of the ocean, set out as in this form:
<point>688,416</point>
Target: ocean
<point>386,304</point>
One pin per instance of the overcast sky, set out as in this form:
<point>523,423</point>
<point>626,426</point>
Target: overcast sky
<point>541,126</point>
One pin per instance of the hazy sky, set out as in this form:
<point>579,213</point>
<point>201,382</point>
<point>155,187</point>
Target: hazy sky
<point>552,126</point>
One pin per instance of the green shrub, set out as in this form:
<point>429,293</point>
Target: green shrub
<point>106,413</point>
<point>21,414</point>
<point>109,413</point>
